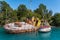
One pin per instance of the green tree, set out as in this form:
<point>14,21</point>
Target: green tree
<point>44,13</point>
<point>48,16</point>
<point>5,8</point>
<point>13,16</point>
<point>41,10</point>
<point>56,19</point>
<point>22,12</point>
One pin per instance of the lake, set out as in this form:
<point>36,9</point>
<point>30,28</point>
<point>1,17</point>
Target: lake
<point>53,35</point>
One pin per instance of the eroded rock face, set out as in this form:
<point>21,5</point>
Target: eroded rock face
<point>21,27</point>
<point>18,24</point>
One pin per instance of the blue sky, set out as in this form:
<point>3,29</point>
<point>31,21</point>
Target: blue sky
<point>53,5</point>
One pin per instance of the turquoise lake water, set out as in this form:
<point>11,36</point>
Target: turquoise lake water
<point>53,35</point>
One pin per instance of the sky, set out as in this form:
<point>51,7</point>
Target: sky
<point>53,5</point>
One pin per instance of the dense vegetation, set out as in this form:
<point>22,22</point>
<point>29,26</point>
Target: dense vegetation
<point>22,12</point>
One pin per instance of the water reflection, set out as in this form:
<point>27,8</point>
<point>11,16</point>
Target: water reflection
<point>45,34</point>
<point>54,34</point>
<point>25,36</point>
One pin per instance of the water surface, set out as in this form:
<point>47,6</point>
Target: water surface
<point>53,35</point>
